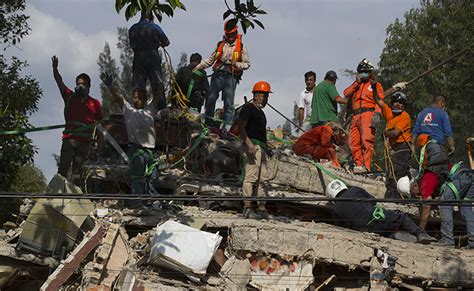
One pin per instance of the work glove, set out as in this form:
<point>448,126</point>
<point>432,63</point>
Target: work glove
<point>400,86</point>
<point>450,143</point>
<point>375,120</point>
<point>107,79</point>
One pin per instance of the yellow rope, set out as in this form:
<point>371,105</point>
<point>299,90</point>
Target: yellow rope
<point>180,97</point>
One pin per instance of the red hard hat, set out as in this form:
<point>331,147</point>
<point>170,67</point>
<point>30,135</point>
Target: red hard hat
<point>230,26</point>
<point>261,86</point>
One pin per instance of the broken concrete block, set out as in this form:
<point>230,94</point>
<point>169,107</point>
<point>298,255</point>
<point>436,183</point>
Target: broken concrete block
<point>236,273</point>
<point>183,248</point>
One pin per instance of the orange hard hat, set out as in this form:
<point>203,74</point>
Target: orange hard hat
<point>230,26</point>
<point>261,86</point>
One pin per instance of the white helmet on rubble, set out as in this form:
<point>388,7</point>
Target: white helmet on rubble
<point>335,187</point>
<point>403,185</point>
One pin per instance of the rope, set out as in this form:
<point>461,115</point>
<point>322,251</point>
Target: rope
<point>33,129</point>
<point>180,97</point>
<point>327,172</point>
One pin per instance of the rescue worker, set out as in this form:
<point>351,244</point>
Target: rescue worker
<point>140,125</point>
<point>432,123</point>
<point>398,133</point>
<point>194,85</point>
<point>81,112</point>
<point>325,99</point>
<point>366,116</point>
<point>434,163</point>
<point>228,61</point>
<point>459,185</point>
<point>319,143</point>
<point>252,128</point>
<point>304,104</point>
<point>368,216</point>
<point>145,39</point>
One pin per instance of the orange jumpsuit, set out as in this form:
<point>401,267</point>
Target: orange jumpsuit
<point>319,143</point>
<point>362,137</point>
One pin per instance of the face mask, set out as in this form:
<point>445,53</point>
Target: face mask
<point>364,75</point>
<point>397,111</point>
<point>82,90</point>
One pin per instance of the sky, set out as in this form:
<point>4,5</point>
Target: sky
<point>299,35</point>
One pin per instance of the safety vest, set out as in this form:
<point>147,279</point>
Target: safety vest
<point>236,55</point>
<point>433,157</point>
<point>465,179</point>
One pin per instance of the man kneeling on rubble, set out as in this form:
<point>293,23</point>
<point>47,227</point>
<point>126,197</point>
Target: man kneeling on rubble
<point>319,143</point>
<point>368,216</point>
<point>140,125</point>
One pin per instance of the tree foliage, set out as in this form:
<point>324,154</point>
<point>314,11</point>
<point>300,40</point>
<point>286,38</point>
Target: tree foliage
<point>245,13</point>
<point>108,65</point>
<point>13,23</point>
<point>19,97</point>
<point>126,61</point>
<point>425,37</point>
<point>29,178</point>
<point>156,7</point>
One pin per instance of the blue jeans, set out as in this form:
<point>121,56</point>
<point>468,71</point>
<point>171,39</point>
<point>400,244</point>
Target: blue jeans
<point>226,83</point>
<point>447,217</point>
<point>139,183</point>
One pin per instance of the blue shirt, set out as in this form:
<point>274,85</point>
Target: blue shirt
<point>434,122</point>
<point>145,35</point>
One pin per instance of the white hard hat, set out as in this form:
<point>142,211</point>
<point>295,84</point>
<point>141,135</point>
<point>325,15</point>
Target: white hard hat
<point>334,188</point>
<point>403,185</point>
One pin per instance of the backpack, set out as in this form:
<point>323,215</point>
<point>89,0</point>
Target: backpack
<point>460,182</point>
<point>433,157</point>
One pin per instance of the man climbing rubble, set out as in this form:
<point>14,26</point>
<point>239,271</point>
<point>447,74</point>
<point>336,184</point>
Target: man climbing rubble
<point>140,125</point>
<point>366,115</point>
<point>368,216</point>
<point>194,84</point>
<point>228,61</point>
<point>252,128</point>
<point>398,133</point>
<point>304,103</point>
<point>81,112</point>
<point>325,99</point>
<point>145,39</point>
<point>319,143</point>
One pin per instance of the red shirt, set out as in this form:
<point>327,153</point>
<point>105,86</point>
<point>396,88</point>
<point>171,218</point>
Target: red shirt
<point>77,110</point>
<point>318,136</point>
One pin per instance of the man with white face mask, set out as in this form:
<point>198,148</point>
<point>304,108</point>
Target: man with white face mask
<point>81,112</point>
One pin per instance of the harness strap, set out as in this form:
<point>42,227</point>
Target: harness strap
<point>377,215</point>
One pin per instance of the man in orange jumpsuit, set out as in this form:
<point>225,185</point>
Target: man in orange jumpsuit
<point>366,116</point>
<point>319,143</point>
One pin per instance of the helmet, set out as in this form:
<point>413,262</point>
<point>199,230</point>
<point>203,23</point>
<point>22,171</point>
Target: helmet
<point>230,26</point>
<point>403,185</point>
<point>335,187</point>
<point>261,86</point>
<point>365,66</point>
<point>398,97</point>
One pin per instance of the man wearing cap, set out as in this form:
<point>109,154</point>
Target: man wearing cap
<point>398,133</point>
<point>325,99</point>
<point>193,84</point>
<point>228,61</point>
<point>253,132</point>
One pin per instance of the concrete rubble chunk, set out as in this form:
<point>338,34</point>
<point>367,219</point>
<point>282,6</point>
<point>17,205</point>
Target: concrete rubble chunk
<point>236,274</point>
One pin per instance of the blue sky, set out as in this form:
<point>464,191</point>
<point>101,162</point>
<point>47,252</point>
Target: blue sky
<point>300,35</point>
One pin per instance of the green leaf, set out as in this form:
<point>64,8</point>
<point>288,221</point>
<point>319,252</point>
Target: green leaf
<point>251,6</point>
<point>119,4</point>
<point>237,4</point>
<point>260,12</point>
<point>226,14</point>
<point>247,23</point>
<point>259,23</point>
<point>158,15</point>
<point>165,8</point>
<point>151,5</point>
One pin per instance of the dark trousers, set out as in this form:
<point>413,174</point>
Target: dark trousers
<point>73,152</point>
<point>394,221</point>
<point>147,66</point>
<point>139,158</point>
<point>400,159</point>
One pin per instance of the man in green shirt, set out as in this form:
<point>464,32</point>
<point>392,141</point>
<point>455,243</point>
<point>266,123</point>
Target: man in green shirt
<point>325,99</point>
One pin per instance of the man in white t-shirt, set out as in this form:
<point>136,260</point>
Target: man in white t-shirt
<point>140,125</point>
<point>304,104</point>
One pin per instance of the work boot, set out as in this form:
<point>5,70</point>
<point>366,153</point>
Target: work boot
<point>425,238</point>
<point>404,236</point>
<point>250,213</point>
<point>263,214</point>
